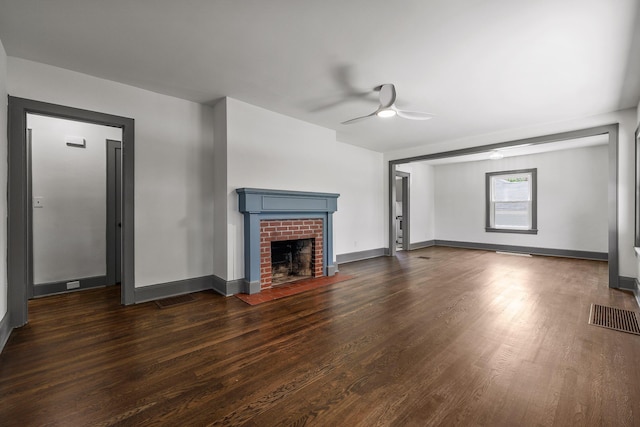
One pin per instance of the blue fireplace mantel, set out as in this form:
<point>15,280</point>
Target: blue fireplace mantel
<point>258,204</point>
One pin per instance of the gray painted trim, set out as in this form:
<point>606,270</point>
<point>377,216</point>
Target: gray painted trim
<point>636,292</point>
<point>637,189</point>
<point>421,245</point>
<point>44,289</point>
<point>358,256</point>
<point>5,331</point>
<point>171,289</point>
<point>258,200</point>
<point>332,270</point>
<point>29,212</point>
<point>534,201</point>
<point>391,232</point>
<point>111,227</point>
<point>513,231</point>
<point>611,130</point>
<point>228,288</point>
<point>566,253</point>
<point>614,261</point>
<point>18,252</point>
<point>628,283</point>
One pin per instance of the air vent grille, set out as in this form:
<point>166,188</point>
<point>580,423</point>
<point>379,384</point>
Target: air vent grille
<point>614,318</point>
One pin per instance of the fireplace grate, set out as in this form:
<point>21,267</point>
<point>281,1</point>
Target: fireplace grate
<point>614,318</point>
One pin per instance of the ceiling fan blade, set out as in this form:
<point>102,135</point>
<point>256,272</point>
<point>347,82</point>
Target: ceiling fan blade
<point>387,95</point>
<point>357,119</point>
<point>414,115</point>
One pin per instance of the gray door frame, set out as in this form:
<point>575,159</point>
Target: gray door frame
<point>112,215</point>
<point>612,199</point>
<point>18,252</point>
<point>29,214</point>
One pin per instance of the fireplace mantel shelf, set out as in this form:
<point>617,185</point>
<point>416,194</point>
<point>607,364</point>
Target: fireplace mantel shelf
<point>263,204</point>
<point>256,200</point>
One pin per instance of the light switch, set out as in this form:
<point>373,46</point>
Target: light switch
<point>38,202</point>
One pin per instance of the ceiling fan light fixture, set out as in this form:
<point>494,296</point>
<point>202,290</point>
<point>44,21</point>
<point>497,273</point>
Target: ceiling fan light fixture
<point>386,113</point>
<point>496,155</point>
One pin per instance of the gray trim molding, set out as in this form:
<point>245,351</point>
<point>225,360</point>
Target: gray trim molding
<point>566,253</point>
<point>612,197</point>
<point>636,292</point>
<point>513,231</point>
<point>358,256</point>
<point>534,201</point>
<point>43,289</point>
<point>628,283</point>
<point>171,289</point>
<point>637,187</point>
<point>18,251</point>
<point>257,204</point>
<point>5,331</point>
<point>422,245</point>
<point>228,288</point>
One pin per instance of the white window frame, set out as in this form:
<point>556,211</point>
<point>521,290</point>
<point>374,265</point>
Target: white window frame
<point>491,177</point>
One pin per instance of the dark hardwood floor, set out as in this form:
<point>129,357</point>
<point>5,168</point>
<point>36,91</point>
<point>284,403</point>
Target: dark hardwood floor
<point>466,337</point>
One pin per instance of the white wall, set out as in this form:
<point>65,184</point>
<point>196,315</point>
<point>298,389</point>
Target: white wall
<point>421,202</point>
<point>69,230</point>
<point>173,165</point>
<point>3,181</point>
<point>627,120</point>
<point>572,200</point>
<point>272,151</point>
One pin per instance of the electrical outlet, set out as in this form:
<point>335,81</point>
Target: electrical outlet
<point>73,285</point>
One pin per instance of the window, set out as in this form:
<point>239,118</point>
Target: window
<point>511,201</point>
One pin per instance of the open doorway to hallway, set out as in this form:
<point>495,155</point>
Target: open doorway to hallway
<point>74,184</point>
<point>20,201</point>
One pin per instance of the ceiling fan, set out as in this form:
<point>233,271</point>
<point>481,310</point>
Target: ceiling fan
<point>387,107</point>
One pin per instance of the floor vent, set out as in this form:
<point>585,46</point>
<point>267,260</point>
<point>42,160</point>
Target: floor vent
<point>173,301</point>
<point>614,318</point>
<point>424,257</point>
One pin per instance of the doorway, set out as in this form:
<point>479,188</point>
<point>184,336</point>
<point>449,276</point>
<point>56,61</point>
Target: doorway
<point>611,133</point>
<point>20,204</point>
<point>402,214</point>
<point>68,188</point>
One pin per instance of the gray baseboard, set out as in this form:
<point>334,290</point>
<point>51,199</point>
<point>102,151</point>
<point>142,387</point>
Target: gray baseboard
<point>636,292</point>
<point>332,269</point>
<point>358,256</point>
<point>566,253</point>
<point>171,289</point>
<point>628,283</point>
<point>421,245</point>
<point>232,287</point>
<point>5,331</point>
<point>43,289</point>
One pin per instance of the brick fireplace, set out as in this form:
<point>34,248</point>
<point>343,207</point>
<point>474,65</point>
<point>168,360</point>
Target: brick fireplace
<point>294,230</point>
<point>285,216</point>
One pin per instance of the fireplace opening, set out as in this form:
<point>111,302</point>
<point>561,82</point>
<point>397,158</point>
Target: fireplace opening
<point>291,260</point>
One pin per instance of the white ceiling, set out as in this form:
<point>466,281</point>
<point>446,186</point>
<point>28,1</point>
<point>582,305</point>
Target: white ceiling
<point>479,66</point>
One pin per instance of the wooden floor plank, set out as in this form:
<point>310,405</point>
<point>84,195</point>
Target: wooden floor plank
<point>464,337</point>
